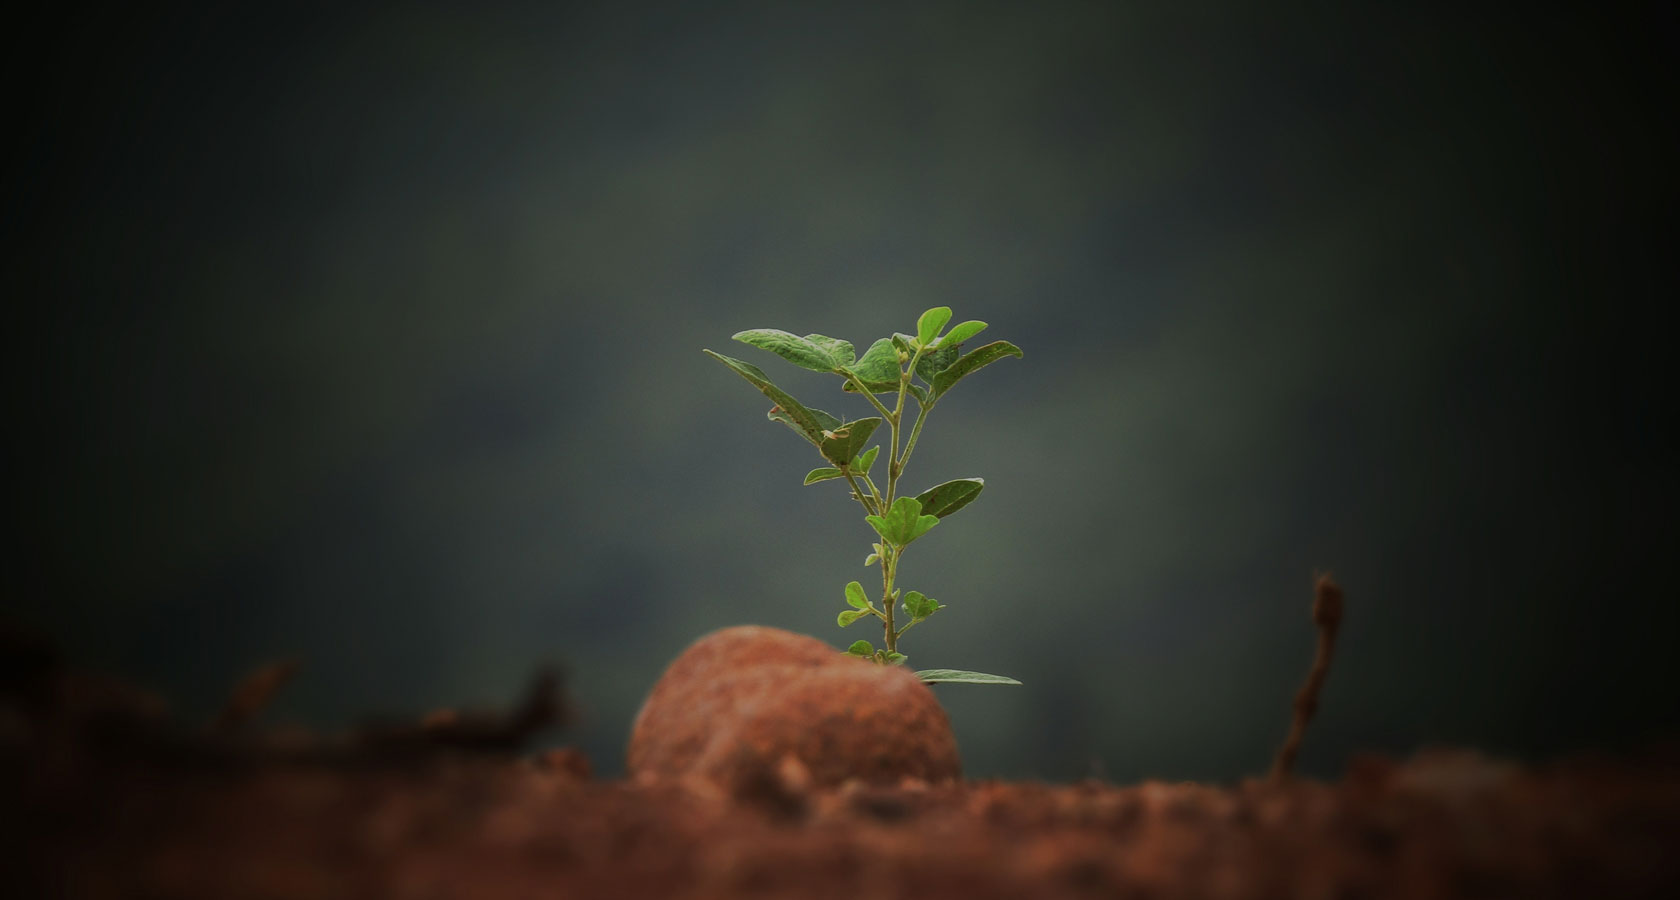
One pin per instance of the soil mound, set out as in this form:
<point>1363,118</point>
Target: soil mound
<point>748,703</point>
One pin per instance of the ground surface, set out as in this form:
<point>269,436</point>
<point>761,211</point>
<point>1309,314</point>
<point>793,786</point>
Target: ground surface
<point>99,797</point>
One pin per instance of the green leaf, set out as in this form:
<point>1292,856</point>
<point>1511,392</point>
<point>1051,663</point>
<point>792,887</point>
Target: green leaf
<point>943,499</point>
<point>879,364</point>
<point>840,445</point>
<point>958,676</point>
<point>920,606</point>
<point>861,648</point>
<point>871,559</point>
<point>928,326</point>
<point>838,350</point>
<point>809,423</point>
<point>903,523</point>
<point>801,351</point>
<point>896,658</point>
<point>864,463</point>
<point>855,596</point>
<point>823,474</point>
<point>970,362</point>
<point>935,360</point>
<point>848,616</point>
<point>962,332</point>
<point>905,343</point>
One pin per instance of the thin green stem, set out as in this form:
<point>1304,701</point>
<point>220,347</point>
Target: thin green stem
<point>889,570</point>
<point>873,490</point>
<point>861,496</point>
<point>862,389</point>
<point>915,432</point>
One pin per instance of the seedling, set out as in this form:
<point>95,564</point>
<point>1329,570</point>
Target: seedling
<point>890,366</point>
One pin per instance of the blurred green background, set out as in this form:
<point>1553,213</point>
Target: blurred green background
<point>372,336</point>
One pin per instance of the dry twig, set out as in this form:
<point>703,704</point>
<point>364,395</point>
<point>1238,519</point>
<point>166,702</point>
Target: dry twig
<point>1327,615</point>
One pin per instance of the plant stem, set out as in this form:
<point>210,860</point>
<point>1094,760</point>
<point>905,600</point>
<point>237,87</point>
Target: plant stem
<point>889,570</point>
<point>872,399</point>
<point>861,496</point>
<point>915,432</point>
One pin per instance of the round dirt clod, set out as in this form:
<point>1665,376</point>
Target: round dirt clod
<point>741,702</point>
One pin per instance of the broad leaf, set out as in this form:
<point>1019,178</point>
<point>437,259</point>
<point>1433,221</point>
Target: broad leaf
<point>943,499</point>
<point>794,414</point>
<point>928,326</point>
<point>826,420</point>
<point>903,523</point>
<point>935,360</point>
<point>800,351</point>
<point>855,596</point>
<point>838,350</point>
<point>861,648</point>
<point>958,676</point>
<point>840,445</point>
<point>823,474</point>
<point>920,606</point>
<point>972,361</point>
<point>848,616</point>
<point>962,332</point>
<point>879,364</point>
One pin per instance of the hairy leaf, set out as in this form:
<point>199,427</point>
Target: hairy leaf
<point>943,499</point>
<point>970,362</point>
<point>958,676</point>
<point>920,606</point>
<point>800,351</point>
<point>935,360</point>
<point>855,596</point>
<point>848,616</point>
<point>838,350</point>
<point>840,445</point>
<point>861,648</point>
<point>792,412</point>
<point>823,474</point>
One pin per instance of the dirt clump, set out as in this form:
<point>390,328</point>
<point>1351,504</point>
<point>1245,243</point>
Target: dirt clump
<point>760,709</point>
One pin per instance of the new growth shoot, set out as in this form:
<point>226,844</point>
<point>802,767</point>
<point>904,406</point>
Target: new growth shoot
<point>889,367</point>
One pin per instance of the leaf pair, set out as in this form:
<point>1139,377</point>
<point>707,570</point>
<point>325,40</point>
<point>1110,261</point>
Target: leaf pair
<point>859,601</point>
<point>866,650</point>
<point>903,523</point>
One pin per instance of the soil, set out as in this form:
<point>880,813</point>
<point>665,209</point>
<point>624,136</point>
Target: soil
<point>104,796</point>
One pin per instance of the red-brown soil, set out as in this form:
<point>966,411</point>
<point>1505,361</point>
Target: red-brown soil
<point>101,797</point>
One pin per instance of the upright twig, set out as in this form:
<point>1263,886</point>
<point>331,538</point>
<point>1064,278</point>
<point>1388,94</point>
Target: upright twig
<point>1327,615</point>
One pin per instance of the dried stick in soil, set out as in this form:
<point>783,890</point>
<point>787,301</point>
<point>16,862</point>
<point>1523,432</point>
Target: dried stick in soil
<point>1327,615</point>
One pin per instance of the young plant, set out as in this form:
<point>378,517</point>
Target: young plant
<point>890,366</point>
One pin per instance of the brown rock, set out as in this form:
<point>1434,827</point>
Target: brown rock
<point>742,701</point>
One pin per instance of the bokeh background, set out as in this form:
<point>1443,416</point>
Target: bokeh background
<point>371,336</point>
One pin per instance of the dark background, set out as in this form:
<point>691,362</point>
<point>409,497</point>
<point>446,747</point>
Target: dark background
<point>372,336</point>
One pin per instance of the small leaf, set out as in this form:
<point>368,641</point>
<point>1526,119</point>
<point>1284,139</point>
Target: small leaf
<point>920,606</point>
<point>871,559</point>
<point>879,364</point>
<point>962,332</point>
<point>970,362</point>
<point>903,523</point>
<point>928,326</point>
<point>861,648</point>
<point>896,658</point>
<point>848,616</point>
<point>958,676</point>
<point>838,350</point>
<point>841,445</point>
<point>800,351</point>
<point>792,412</point>
<point>864,463</point>
<point>855,596</point>
<point>824,474</point>
<point>943,499</point>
